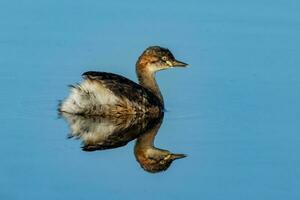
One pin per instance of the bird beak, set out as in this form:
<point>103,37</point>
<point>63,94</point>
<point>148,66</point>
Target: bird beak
<point>177,156</point>
<point>176,63</point>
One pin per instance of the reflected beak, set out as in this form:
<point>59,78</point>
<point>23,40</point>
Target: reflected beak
<point>176,63</point>
<point>177,156</point>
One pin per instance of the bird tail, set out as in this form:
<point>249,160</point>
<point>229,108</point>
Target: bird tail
<point>89,97</point>
<point>77,102</point>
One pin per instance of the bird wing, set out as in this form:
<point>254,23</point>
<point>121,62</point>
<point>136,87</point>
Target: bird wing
<point>124,88</point>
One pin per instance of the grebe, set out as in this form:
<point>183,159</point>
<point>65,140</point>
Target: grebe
<point>109,132</point>
<point>103,93</point>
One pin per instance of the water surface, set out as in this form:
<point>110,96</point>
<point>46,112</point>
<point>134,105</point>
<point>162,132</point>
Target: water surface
<point>234,111</point>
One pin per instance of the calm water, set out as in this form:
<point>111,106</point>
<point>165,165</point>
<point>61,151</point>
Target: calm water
<point>234,111</point>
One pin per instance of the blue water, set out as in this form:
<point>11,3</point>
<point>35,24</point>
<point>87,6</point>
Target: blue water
<point>234,110</point>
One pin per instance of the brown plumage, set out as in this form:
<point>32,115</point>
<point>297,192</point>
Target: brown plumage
<point>108,132</point>
<point>103,93</point>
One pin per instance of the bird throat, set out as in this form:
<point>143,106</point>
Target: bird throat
<point>146,79</point>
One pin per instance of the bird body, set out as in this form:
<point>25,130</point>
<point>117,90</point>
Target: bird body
<point>103,93</point>
<point>109,132</point>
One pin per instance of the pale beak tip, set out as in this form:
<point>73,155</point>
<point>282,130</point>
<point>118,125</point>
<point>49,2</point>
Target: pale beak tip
<point>177,63</point>
<point>178,156</point>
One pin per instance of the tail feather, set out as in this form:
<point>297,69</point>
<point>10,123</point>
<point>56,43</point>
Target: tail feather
<point>89,97</point>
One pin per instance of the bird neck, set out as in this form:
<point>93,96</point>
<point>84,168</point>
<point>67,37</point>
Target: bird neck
<point>146,79</point>
<point>146,140</point>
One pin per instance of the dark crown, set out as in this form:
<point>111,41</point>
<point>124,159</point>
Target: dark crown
<point>158,51</point>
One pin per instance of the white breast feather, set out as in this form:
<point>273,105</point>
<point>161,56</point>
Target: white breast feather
<point>96,132</point>
<point>88,95</point>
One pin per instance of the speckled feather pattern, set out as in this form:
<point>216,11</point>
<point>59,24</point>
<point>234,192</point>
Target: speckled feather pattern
<point>104,93</point>
<point>105,132</point>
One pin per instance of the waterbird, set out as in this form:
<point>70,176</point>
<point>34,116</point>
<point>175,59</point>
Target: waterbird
<point>103,93</point>
<point>110,132</point>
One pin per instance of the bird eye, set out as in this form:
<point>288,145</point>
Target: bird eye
<point>164,58</point>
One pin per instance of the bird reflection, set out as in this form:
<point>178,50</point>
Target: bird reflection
<point>100,133</point>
